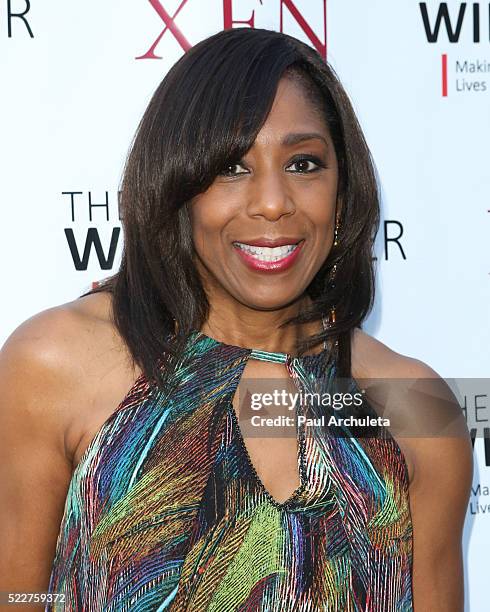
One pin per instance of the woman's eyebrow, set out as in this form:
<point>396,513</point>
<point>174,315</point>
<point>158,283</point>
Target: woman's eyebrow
<point>296,138</point>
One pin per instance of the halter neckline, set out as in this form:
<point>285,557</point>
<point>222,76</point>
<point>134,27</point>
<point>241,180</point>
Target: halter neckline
<point>260,353</point>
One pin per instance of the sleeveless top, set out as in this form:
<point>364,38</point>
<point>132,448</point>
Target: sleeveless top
<point>165,510</point>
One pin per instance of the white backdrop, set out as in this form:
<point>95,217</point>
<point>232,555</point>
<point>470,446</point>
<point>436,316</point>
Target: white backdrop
<point>73,90</point>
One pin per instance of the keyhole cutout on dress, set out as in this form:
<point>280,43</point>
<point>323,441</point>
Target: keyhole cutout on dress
<point>275,459</point>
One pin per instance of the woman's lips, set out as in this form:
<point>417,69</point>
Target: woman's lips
<point>269,266</point>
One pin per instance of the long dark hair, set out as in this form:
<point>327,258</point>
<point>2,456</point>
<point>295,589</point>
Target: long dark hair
<point>208,111</point>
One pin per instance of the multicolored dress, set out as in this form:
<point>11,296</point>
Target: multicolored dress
<point>165,510</point>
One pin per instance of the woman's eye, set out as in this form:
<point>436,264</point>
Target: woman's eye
<point>233,170</point>
<point>304,166</point>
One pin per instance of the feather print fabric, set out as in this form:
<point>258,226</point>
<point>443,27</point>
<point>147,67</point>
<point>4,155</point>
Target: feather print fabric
<point>165,510</point>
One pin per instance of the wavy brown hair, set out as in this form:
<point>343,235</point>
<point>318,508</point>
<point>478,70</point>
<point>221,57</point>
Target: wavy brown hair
<point>207,111</point>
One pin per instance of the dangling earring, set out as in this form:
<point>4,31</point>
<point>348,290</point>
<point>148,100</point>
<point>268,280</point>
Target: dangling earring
<point>334,270</point>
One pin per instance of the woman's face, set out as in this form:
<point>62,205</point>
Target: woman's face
<point>265,226</point>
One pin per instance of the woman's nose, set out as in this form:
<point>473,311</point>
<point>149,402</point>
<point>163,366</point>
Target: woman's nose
<point>269,196</point>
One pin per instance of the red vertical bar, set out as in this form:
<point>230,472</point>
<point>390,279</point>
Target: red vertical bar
<point>325,27</point>
<point>444,75</point>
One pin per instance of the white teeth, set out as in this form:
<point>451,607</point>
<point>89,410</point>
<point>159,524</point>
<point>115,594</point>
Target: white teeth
<point>267,253</point>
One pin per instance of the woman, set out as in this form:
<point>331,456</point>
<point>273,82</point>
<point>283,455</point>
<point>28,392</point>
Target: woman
<point>250,207</point>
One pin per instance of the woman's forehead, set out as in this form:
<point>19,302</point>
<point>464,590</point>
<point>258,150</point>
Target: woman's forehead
<point>293,118</point>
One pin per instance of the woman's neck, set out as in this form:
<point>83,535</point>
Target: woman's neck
<point>239,325</point>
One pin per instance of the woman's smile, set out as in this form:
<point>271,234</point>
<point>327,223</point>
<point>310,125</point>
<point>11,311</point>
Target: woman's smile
<point>278,255</point>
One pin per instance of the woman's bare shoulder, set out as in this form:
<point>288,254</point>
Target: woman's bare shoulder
<point>371,358</point>
<point>65,338</point>
<point>72,317</point>
<point>54,364</point>
<point>425,417</point>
